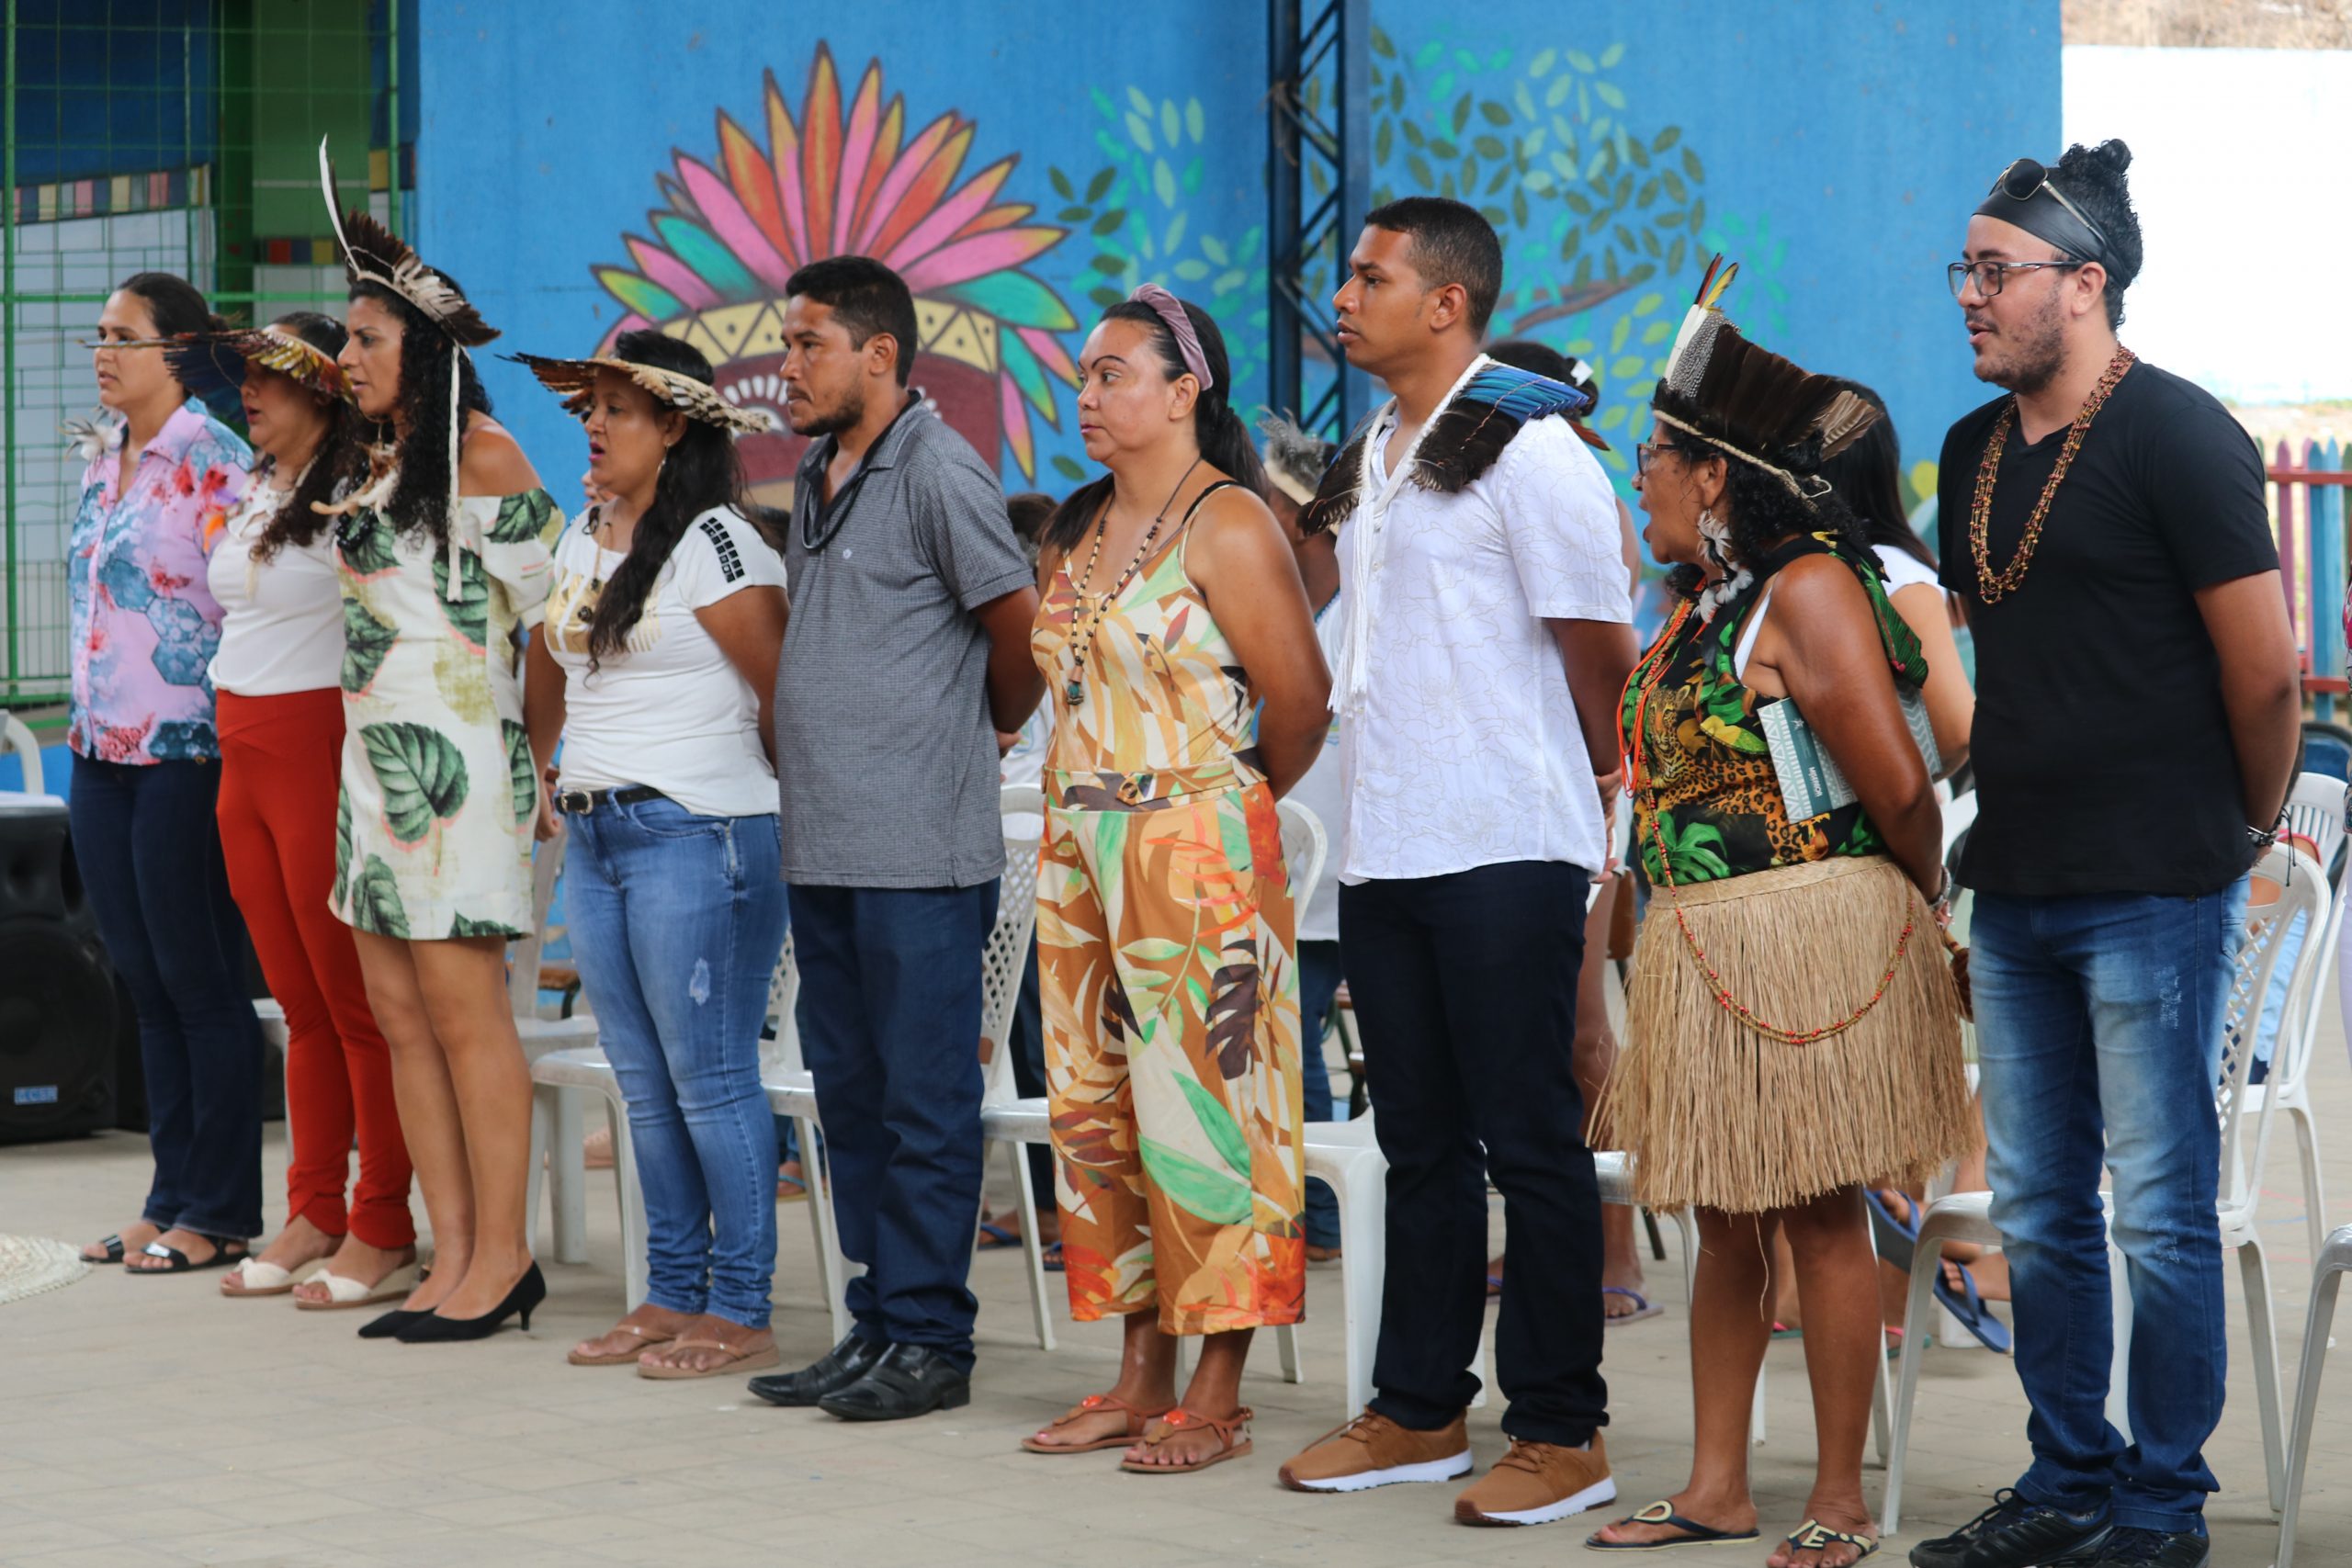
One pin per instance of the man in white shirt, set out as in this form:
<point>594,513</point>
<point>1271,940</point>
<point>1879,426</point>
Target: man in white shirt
<point>1487,638</point>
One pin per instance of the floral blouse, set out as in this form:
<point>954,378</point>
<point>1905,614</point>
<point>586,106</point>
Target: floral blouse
<point>145,622</point>
<point>1709,797</point>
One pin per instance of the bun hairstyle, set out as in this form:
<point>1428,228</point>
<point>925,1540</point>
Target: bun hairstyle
<point>702,473</point>
<point>2093,178</point>
<point>340,464</point>
<point>1224,440</point>
<point>421,490</point>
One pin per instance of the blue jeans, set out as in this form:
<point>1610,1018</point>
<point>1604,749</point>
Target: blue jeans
<point>149,852</point>
<point>2100,1017</point>
<point>1319,974</point>
<point>889,1017</point>
<point>676,923</point>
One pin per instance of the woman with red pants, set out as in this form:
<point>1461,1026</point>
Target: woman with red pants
<point>277,677</point>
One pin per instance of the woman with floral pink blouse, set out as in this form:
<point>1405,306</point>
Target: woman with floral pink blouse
<point>146,770</point>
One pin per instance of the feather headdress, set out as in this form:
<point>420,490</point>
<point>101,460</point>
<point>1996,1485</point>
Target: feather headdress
<point>574,380</point>
<point>1751,403</point>
<point>1295,458</point>
<point>206,361</point>
<point>373,253</point>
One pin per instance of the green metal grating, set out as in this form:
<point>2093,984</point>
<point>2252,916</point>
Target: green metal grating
<point>173,136</point>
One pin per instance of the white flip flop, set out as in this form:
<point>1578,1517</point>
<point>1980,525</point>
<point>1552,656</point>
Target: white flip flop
<point>255,1278</point>
<point>346,1294</point>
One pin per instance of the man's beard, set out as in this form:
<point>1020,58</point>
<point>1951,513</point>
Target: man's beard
<point>2039,354</point>
<point>842,418</point>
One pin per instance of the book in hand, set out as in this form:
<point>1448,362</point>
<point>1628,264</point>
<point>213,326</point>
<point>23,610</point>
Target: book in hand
<point>1811,783</point>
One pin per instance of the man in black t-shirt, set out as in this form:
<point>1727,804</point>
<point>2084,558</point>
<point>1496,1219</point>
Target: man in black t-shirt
<point>2136,716</point>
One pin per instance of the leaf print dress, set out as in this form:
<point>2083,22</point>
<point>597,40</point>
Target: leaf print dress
<point>1167,971</point>
<point>432,825</point>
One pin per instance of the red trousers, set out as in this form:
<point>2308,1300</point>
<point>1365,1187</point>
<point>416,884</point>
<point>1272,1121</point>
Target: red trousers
<point>279,774</point>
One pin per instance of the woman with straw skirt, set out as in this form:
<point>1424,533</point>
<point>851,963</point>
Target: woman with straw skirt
<point>1793,1028</point>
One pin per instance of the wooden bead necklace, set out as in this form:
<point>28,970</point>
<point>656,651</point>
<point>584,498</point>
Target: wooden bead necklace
<point>1992,586</point>
<point>1082,641</point>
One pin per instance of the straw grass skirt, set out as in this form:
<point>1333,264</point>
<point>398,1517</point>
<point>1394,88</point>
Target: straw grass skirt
<point>1720,1116</point>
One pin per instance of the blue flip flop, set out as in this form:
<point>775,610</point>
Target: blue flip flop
<point>996,1238</point>
<point>1898,1244</point>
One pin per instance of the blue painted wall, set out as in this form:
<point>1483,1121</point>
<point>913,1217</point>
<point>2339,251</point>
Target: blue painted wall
<point>1835,147</point>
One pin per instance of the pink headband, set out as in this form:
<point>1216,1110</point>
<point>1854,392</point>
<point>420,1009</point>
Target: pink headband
<point>1179,323</point>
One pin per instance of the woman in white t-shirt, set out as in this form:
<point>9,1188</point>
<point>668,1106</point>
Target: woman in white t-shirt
<point>665,626</point>
<point>277,675</point>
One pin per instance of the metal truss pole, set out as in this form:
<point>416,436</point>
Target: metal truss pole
<point>1318,187</point>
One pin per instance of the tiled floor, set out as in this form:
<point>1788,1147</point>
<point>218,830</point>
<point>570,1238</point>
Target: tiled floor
<point>151,1421</point>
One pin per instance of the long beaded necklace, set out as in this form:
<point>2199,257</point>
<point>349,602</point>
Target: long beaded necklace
<point>1992,586</point>
<point>1082,641</point>
<point>1648,673</point>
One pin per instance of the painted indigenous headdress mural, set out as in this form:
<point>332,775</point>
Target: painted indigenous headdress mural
<point>848,179</point>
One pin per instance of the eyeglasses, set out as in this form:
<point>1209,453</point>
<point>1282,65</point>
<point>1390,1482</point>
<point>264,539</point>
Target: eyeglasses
<point>1991,275</point>
<point>1647,452</point>
<point>2023,178</point>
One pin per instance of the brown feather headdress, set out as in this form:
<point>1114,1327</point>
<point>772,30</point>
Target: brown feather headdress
<point>574,380</point>
<point>373,253</point>
<point>198,358</point>
<point>1751,403</point>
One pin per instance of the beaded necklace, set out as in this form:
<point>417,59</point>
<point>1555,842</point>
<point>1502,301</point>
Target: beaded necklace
<point>1641,683</point>
<point>1082,641</point>
<point>1992,586</point>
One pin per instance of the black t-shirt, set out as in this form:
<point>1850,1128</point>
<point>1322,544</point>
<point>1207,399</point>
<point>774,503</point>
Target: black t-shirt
<point>2103,755</point>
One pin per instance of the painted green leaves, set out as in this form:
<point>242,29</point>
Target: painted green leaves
<point>465,925</point>
<point>468,614</point>
<point>376,903</point>
<point>366,541</point>
<point>521,778</point>
<point>366,642</point>
<point>342,837</point>
<point>522,518</point>
<point>1215,1195</point>
<point>1695,849</point>
<point>422,772</point>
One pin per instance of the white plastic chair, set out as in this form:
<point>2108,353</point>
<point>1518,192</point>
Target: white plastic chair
<point>792,1089</point>
<point>17,737</point>
<point>2314,813</point>
<point>1966,1216</point>
<point>556,1124</point>
<point>2327,1278</point>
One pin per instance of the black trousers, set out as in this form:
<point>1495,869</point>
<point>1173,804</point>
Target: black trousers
<point>1466,990</point>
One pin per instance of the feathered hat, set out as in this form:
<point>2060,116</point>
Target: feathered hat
<point>574,380</point>
<point>206,362</point>
<point>373,253</point>
<point>1749,401</point>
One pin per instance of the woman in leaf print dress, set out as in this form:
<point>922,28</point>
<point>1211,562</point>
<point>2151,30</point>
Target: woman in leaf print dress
<point>441,572</point>
<point>1170,607</point>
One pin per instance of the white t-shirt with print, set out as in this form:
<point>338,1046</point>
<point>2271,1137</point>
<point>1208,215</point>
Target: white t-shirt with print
<point>670,710</point>
<point>1466,751</point>
<point>1322,792</point>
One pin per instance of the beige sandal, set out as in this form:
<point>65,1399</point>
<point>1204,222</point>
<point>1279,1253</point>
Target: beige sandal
<point>736,1361</point>
<point>1138,1422</point>
<point>255,1278</point>
<point>1230,1430</point>
<point>649,1340</point>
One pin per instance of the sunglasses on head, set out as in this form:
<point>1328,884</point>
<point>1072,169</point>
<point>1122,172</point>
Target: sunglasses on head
<point>2023,178</point>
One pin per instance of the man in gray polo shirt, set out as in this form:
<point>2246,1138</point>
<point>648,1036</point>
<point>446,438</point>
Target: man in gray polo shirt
<point>906,650</point>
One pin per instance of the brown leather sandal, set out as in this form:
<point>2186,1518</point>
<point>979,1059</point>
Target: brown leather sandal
<point>1138,1421</point>
<point>648,1340</point>
<point>1231,1430</point>
<point>738,1360</point>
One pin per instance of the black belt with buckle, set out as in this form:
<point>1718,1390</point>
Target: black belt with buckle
<point>580,802</point>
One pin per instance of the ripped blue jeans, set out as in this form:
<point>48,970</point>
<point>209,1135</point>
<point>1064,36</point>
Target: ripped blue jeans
<point>676,921</point>
<point>2098,1026</point>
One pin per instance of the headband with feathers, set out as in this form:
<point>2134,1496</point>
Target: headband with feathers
<point>1751,403</point>
<point>574,380</point>
<point>373,253</point>
<point>205,362</point>
<point>1295,458</point>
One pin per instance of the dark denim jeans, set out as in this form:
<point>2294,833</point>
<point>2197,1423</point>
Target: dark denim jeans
<point>1319,974</point>
<point>889,1017</point>
<point>149,852</point>
<point>676,921</point>
<point>2098,1026</point>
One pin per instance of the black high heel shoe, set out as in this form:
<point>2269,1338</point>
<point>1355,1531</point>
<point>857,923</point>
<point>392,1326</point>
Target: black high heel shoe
<point>389,1325</point>
<point>432,1328</point>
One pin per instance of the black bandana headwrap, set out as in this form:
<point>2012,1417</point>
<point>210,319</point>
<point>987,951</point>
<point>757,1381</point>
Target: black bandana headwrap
<point>2042,211</point>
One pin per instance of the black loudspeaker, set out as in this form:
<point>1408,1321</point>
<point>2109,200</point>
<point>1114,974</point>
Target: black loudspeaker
<point>63,1017</point>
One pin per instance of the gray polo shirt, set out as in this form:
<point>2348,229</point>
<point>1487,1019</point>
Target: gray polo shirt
<point>885,755</point>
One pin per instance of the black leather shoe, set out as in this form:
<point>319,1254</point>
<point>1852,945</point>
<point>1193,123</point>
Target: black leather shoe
<point>835,1370</point>
<point>910,1380</point>
<point>2132,1547</point>
<point>2015,1533</point>
<point>388,1325</point>
<point>432,1328</point>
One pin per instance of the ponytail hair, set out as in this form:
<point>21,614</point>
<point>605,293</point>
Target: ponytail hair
<point>1224,439</point>
<point>339,464</point>
<point>702,473</point>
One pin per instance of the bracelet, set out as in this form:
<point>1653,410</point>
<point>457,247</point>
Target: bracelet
<point>1941,909</point>
<point>2263,837</point>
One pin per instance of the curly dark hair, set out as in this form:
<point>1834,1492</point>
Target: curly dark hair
<point>420,498</point>
<point>2093,178</point>
<point>341,460</point>
<point>1761,512</point>
<point>702,473</point>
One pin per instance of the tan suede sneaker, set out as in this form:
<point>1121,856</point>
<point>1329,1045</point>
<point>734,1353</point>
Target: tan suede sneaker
<point>1537,1483</point>
<point>1372,1451</point>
